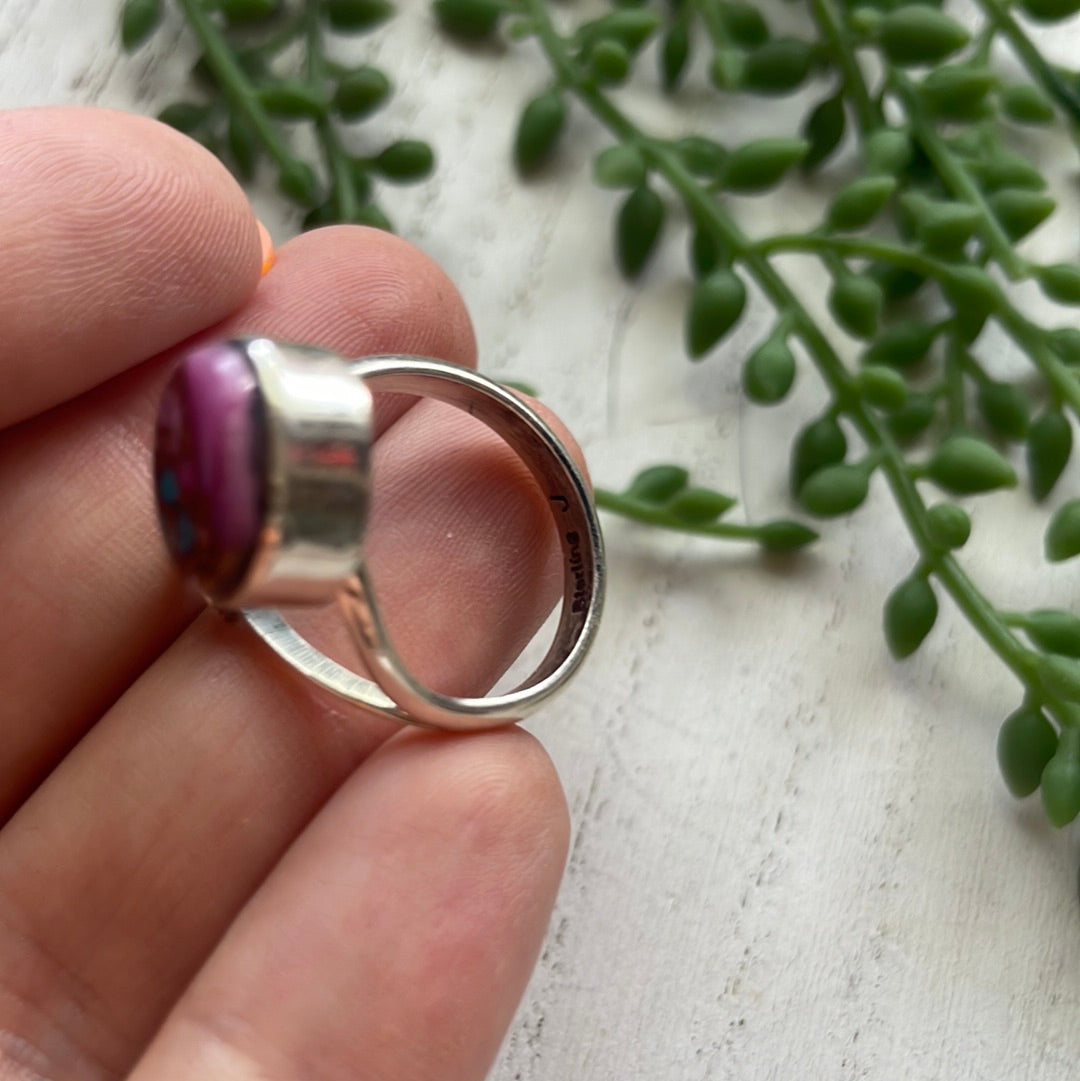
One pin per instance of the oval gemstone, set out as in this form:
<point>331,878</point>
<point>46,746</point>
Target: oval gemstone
<point>210,466</point>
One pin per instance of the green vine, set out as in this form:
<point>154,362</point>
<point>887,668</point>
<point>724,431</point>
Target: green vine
<point>250,102</point>
<point>921,249</point>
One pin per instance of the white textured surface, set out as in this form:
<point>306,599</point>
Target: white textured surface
<point>792,857</point>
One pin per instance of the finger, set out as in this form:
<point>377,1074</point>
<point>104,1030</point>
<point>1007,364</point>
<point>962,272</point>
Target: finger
<point>396,937</point>
<point>90,598</point>
<point>121,238</point>
<point>173,809</point>
<point>361,302</point>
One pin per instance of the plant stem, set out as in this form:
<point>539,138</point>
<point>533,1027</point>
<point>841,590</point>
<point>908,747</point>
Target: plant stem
<point>234,82</point>
<point>634,510</point>
<point>825,245</point>
<point>955,176</point>
<point>830,23</point>
<point>1040,71</point>
<point>343,191</point>
<point>955,392</point>
<point>707,210</point>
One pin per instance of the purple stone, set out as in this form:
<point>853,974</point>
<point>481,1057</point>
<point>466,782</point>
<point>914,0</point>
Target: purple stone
<point>209,465</point>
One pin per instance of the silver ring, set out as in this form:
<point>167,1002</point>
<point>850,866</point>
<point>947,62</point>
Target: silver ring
<point>262,475</point>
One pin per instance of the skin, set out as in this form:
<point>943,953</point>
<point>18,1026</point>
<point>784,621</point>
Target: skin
<point>205,869</point>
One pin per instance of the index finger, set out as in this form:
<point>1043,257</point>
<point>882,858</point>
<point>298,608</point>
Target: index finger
<point>121,238</point>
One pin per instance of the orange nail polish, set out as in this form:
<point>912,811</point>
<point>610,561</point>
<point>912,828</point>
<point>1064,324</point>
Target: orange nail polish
<point>268,257</point>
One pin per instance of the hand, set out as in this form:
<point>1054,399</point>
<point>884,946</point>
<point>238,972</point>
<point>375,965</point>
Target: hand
<point>205,872</point>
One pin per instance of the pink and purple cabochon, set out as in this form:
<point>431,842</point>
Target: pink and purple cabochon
<point>210,465</point>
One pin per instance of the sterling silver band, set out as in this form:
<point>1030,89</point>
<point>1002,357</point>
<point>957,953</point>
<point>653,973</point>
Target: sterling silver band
<point>304,560</point>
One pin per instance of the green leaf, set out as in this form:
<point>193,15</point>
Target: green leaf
<point>784,535</point>
<point>323,214</point>
<point>769,371</point>
<point>699,506</point>
<point>291,99</point>
<point>619,166</point>
<point>469,19</point>
<point>716,305</point>
<point>360,92</point>
<point>705,158</point>
<point>707,253</point>
<point>744,23</point>
<point>185,116</point>
<point>1054,630</point>
<point>883,387</point>
<point>835,490</point>
<point>1005,408</point>
<point>780,66</point>
<point>240,12</point>
<point>857,204</point>
<point>1060,677</point>
<point>957,91</point>
<point>1060,282</point>
<point>370,215</point>
<point>950,525</point>
<point>964,465</point>
<point>138,20</point>
<point>631,28</point>
<point>902,345</point>
<point>658,484</point>
<point>356,16</point>
<point>243,145</point>
<point>674,55</point>
<point>541,123</point>
<point>1003,170</point>
<point>1060,782</point>
<point>1062,539</point>
<point>1049,445</point>
<point>973,295</point>
<point>405,161</point>
<point>855,302</point>
<point>1065,341</point>
<point>762,164</point>
<point>727,68</point>
<point>916,34</point>
<point>1020,211</point>
<point>637,230</point>
<point>609,62</point>
<point>1027,104</point>
<point>297,181</point>
<point>1050,11</point>
<point>887,151</point>
<point>914,417</point>
<point>821,443</point>
<point>823,130</point>
<point>910,613</point>
<point>944,226</point>
<point>1026,742</point>
<point>897,282</point>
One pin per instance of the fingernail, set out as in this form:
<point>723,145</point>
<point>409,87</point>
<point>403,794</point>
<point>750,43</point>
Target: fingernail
<point>268,256</point>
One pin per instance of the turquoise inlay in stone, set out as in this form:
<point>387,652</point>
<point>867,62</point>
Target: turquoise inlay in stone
<point>209,462</point>
<point>185,535</point>
<point>168,487</point>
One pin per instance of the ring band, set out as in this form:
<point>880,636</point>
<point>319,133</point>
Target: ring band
<point>262,461</point>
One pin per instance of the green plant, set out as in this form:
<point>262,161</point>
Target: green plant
<point>250,102</point>
<point>922,249</point>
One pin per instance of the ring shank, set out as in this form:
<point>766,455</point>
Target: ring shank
<point>398,693</point>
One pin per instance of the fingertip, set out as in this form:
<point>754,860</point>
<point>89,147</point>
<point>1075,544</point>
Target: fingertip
<point>500,784</point>
<point>359,292</point>
<point>132,233</point>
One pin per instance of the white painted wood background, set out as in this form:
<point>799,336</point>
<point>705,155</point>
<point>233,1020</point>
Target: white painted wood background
<point>792,857</point>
